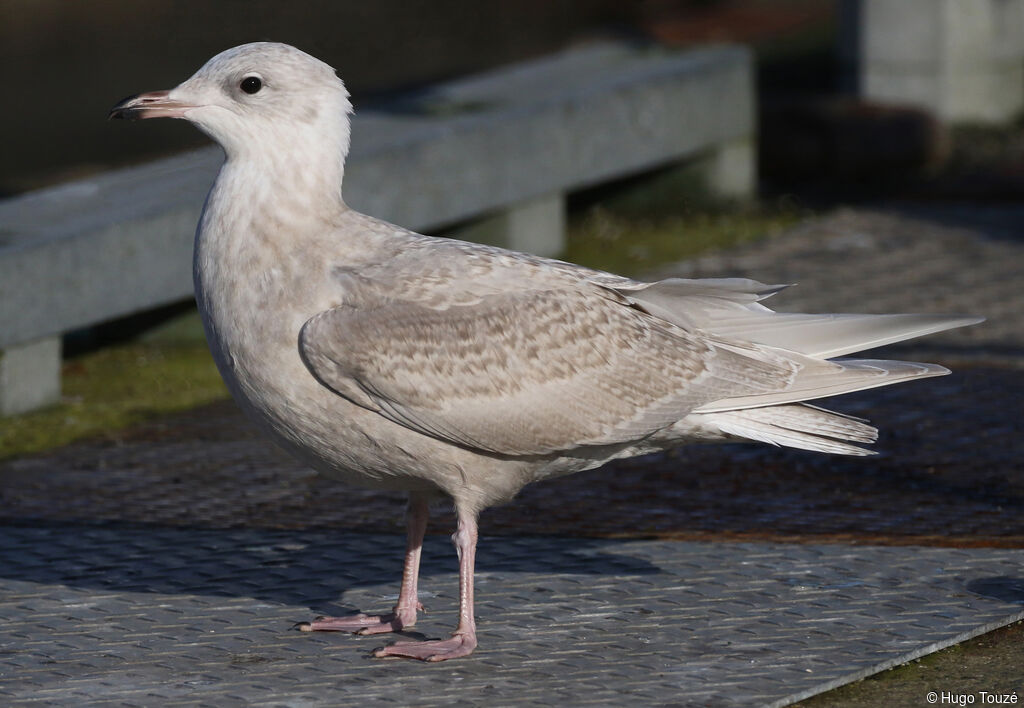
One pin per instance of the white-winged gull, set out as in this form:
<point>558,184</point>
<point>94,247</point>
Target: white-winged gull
<point>393,360</point>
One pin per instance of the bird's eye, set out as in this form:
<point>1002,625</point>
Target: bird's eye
<point>251,84</point>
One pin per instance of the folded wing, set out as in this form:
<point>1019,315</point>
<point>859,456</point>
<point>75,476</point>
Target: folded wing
<point>529,373</point>
<point>535,372</point>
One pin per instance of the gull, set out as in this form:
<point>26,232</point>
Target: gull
<point>389,359</point>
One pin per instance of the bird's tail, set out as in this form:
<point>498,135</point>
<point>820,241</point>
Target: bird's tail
<point>799,425</point>
<point>730,310</point>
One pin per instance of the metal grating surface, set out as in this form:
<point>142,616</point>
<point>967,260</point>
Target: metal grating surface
<point>133,615</point>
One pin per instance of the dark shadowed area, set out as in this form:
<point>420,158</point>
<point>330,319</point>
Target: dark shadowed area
<point>66,62</point>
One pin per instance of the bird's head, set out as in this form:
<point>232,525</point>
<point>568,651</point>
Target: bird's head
<point>257,99</point>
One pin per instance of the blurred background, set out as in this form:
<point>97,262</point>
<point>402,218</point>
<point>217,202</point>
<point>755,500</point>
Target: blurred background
<point>822,113</point>
<point>68,62</point>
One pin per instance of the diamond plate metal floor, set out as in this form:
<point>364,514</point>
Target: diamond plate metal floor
<point>136,615</point>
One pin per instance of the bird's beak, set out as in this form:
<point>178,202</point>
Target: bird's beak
<point>154,104</point>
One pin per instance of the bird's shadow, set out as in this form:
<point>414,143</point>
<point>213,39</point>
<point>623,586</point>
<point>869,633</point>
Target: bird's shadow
<point>295,567</point>
<point>1001,587</point>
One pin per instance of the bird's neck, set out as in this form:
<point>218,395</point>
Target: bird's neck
<point>262,227</point>
<point>290,180</point>
<point>274,203</point>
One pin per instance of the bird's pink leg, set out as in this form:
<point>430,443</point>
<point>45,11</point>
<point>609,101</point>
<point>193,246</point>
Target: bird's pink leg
<point>404,613</point>
<point>463,640</point>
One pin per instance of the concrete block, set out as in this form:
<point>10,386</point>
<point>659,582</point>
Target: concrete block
<point>534,226</point>
<point>100,248</point>
<point>731,171</point>
<point>30,376</point>
<point>961,59</point>
<point>717,178</point>
<point>554,125</point>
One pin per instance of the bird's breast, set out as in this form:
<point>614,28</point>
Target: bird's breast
<point>252,311</point>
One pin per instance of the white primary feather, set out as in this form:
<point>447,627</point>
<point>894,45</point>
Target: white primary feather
<point>730,307</point>
<point>844,376</point>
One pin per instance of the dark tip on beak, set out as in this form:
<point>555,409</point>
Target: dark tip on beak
<point>124,110</point>
<point>155,104</point>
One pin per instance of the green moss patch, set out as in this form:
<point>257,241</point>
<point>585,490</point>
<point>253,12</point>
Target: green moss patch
<point>113,388</point>
<point>630,246</point>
